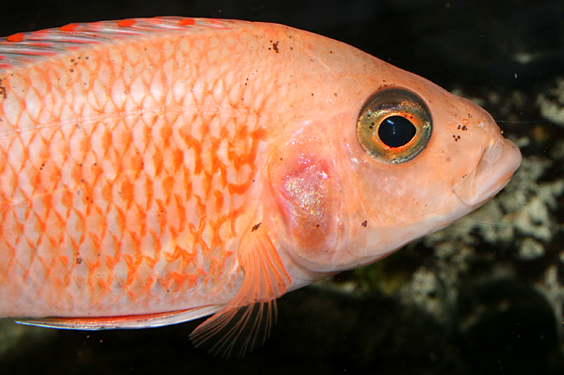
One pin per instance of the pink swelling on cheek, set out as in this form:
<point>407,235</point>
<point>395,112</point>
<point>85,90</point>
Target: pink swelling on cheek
<point>306,194</point>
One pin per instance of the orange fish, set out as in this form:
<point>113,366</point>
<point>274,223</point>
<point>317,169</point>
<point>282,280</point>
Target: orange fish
<point>154,171</point>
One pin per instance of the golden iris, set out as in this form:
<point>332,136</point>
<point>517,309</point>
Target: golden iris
<point>394,126</point>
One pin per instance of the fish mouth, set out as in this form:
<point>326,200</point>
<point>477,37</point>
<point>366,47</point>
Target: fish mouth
<point>494,170</point>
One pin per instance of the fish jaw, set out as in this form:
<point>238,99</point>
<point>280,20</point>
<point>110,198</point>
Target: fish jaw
<point>486,181</point>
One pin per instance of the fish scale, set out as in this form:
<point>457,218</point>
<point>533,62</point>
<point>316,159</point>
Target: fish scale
<point>110,215</point>
<point>154,171</point>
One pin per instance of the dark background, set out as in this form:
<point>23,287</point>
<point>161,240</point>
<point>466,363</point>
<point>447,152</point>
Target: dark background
<point>472,45</point>
<point>459,41</point>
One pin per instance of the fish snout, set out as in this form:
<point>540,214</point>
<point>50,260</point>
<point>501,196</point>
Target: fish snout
<point>492,173</point>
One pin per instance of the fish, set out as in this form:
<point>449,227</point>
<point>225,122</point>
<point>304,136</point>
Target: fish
<point>156,171</point>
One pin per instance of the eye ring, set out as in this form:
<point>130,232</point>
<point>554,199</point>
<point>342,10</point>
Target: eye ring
<point>394,126</point>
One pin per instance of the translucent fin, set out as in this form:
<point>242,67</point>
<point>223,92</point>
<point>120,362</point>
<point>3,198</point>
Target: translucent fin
<point>127,322</point>
<point>23,48</point>
<point>236,330</point>
<point>250,314</point>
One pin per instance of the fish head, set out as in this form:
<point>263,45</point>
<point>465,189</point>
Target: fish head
<point>396,158</point>
<point>407,193</point>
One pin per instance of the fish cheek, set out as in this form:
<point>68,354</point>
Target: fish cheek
<point>307,194</point>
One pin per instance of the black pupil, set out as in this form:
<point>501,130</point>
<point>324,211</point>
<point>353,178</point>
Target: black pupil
<point>396,131</point>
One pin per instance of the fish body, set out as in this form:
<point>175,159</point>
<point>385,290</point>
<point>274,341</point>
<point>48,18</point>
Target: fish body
<point>157,170</point>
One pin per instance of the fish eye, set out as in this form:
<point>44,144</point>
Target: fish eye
<point>394,126</point>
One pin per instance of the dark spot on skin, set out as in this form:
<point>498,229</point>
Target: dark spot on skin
<point>275,47</point>
<point>317,225</point>
<point>72,70</point>
<point>365,223</point>
<point>456,138</point>
<point>255,227</point>
<point>281,159</point>
<point>464,128</point>
<point>78,260</point>
<point>335,95</point>
<point>464,176</point>
<point>3,91</point>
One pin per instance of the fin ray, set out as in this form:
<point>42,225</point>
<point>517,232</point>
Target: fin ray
<point>23,48</point>
<point>127,321</point>
<point>253,310</point>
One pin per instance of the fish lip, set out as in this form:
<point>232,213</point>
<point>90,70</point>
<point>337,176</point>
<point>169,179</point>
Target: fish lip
<point>492,173</point>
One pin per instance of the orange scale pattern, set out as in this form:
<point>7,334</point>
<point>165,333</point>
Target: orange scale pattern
<point>125,170</point>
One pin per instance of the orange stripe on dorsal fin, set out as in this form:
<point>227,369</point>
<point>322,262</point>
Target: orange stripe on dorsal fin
<point>249,315</point>
<point>22,49</point>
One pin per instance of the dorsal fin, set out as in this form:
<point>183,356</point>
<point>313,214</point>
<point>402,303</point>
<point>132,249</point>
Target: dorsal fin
<point>23,48</point>
<point>249,315</point>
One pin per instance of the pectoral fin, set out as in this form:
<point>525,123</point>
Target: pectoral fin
<point>250,314</point>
